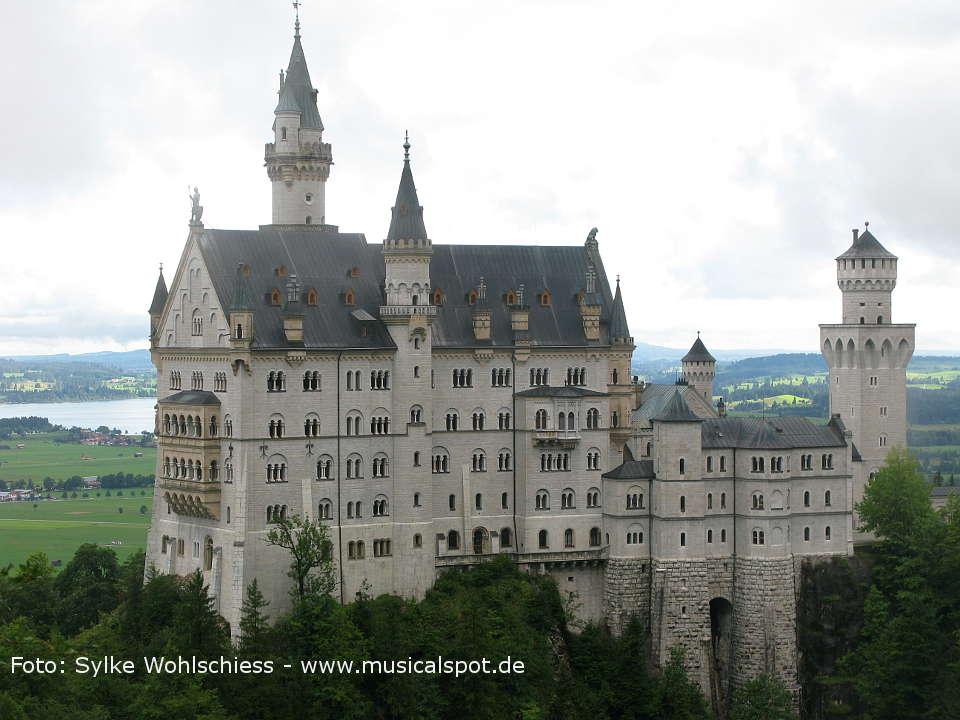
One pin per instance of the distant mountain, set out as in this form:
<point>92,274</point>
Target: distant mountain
<point>645,353</point>
<point>130,360</point>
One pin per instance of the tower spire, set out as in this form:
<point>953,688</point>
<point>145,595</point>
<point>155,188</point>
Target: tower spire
<point>296,24</point>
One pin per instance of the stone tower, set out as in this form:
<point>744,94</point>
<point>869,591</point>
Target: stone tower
<point>699,369</point>
<point>298,161</point>
<point>156,307</point>
<point>408,313</point>
<point>868,354</point>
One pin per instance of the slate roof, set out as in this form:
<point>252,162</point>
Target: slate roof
<point>677,410</point>
<point>159,296</point>
<point>632,470</point>
<point>865,245</point>
<point>192,397</point>
<point>562,391</point>
<point>769,433</point>
<point>406,218</point>
<point>945,491</point>
<point>655,396</point>
<point>297,92</point>
<point>618,318</point>
<point>698,353</point>
<point>322,260</point>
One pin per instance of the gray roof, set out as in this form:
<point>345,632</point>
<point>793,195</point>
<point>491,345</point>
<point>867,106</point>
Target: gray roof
<point>241,299</point>
<point>865,245</point>
<point>698,353</point>
<point>562,391</point>
<point>632,470</point>
<point>406,219</point>
<point>297,93</point>
<point>677,410</point>
<point>769,433</point>
<point>945,491</point>
<point>159,296</point>
<point>192,397</point>
<point>618,318</point>
<point>655,396</point>
<point>322,260</point>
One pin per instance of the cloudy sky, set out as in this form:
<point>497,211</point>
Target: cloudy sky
<point>723,150</point>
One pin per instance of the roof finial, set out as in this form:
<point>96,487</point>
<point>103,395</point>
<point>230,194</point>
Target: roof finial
<point>406,145</point>
<point>866,223</point>
<point>161,268</point>
<point>618,279</point>
<point>296,24</point>
<point>698,333</point>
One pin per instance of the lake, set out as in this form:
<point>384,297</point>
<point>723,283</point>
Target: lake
<point>133,415</point>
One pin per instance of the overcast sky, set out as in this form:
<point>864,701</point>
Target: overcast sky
<point>724,150</point>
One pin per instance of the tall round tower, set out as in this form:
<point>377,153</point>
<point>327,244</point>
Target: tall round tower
<point>867,355</point>
<point>298,161</point>
<point>699,369</point>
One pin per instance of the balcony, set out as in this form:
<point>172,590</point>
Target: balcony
<point>400,312</point>
<point>192,498</point>
<point>188,442</point>
<point>556,438</point>
<point>566,558</point>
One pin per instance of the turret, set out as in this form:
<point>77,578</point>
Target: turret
<point>156,307</point>
<point>678,440</point>
<point>481,314</point>
<point>699,369</point>
<point>293,314</point>
<point>867,275</point>
<point>407,249</point>
<point>590,305</point>
<point>298,161</point>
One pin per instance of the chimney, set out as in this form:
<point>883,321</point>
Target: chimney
<point>856,234</point>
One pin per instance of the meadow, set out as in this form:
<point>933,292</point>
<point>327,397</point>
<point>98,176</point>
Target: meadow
<point>41,457</point>
<point>58,527</point>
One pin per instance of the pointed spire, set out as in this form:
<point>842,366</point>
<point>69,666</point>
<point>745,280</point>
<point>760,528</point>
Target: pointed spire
<point>297,93</point>
<point>296,24</point>
<point>698,352</point>
<point>619,330</point>
<point>406,221</point>
<point>159,295</point>
<point>242,300</point>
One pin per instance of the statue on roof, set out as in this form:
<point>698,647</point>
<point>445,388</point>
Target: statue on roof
<point>592,236</point>
<point>196,211</point>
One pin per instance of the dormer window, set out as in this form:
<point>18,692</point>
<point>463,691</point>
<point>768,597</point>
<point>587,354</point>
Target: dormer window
<point>472,297</point>
<point>355,272</point>
<point>438,296</point>
<point>312,297</point>
<point>544,298</point>
<point>280,271</point>
<point>349,298</point>
<point>275,297</point>
<point>511,297</point>
<point>283,133</point>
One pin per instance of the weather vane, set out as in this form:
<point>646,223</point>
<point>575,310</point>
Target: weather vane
<point>406,145</point>
<point>296,9</point>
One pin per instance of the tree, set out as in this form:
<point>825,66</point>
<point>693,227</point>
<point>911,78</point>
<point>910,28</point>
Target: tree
<point>253,622</point>
<point>763,698</point>
<point>196,625</point>
<point>311,565</point>
<point>896,499</point>
<point>675,696</point>
<point>143,509</point>
<point>86,587</point>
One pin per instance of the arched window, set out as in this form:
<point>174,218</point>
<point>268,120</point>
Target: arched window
<point>283,133</point>
<point>540,420</point>
<point>806,534</point>
<point>542,540</point>
<point>543,500</point>
<point>504,460</point>
<point>568,538</point>
<point>349,298</point>
<point>757,537</point>
<point>478,416</point>
<point>683,539</point>
<point>440,462</point>
<point>506,538</point>
<point>593,419</point>
<point>453,420</point>
<point>826,498</point>
<point>593,498</point>
<point>826,532</point>
<point>452,502</point>
<point>594,537</point>
<point>504,501</point>
<point>806,498</point>
<point>416,414</point>
<point>709,501</point>
<point>208,553</point>
<point>683,503</point>
<point>757,501</point>
<point>567,499</point>
<point>478,501</point>
<point>479,461</point>
<point>275,297</point>
<point>682,465</point>
<point>325,509</point>
<point>453,540</point>
<point>709,536</point>
<point>723,463</point>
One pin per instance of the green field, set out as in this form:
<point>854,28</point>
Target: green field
<point>770,400</point>
<point>41,457</point>
<point>59,527</point>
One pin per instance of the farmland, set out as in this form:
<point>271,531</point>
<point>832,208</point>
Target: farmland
<point>58,527</point>
<point>41,458</point>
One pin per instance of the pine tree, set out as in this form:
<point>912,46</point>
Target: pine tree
<point>253,622</point>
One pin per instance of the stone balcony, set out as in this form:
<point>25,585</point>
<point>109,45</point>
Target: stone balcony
<point>556,438</point>
<point>400,312</point>
<point>556,558</point>
<point>188,442</point>
<point>192,498</point>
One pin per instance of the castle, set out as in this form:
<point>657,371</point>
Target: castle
<point>437,405</point>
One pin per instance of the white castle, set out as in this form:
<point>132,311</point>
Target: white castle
<point>438,405</point>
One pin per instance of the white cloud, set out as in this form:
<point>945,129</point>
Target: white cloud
<point>724,152</point>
